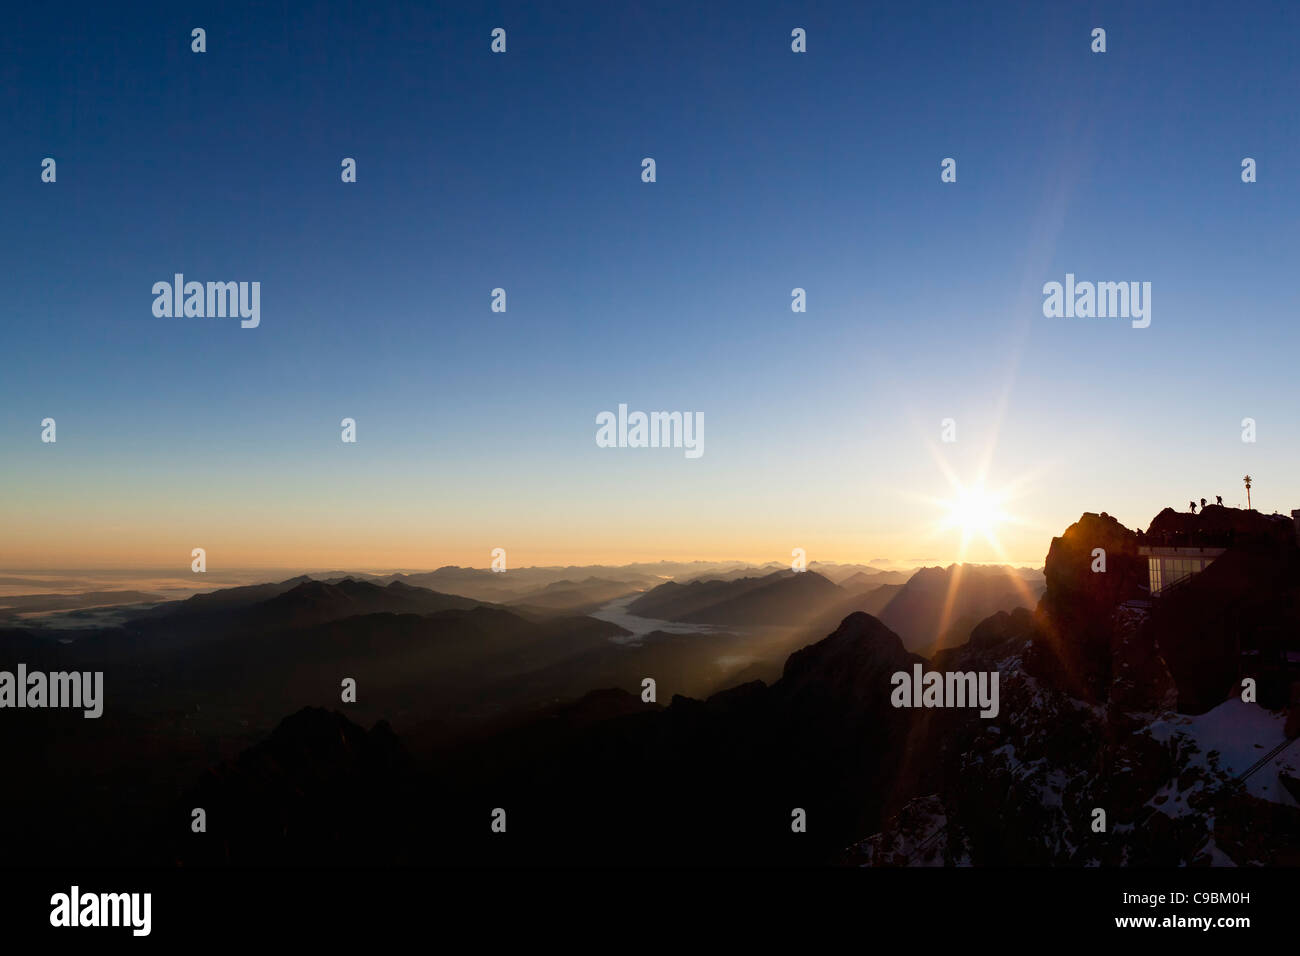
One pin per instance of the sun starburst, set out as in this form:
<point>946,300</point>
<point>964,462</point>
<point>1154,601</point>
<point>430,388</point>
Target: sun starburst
<point>975,512</point>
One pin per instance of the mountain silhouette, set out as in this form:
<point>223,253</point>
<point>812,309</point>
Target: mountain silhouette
<point>820,738</point>
<point>295,603</point>
<point>1108,699</point>
<point>783,597</point>
<point>578,597</point>
<point>938,607</point>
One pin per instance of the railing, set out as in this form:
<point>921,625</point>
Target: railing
<point>1264,760</point>
<point>1175,585</point>
<point>1187,539</point>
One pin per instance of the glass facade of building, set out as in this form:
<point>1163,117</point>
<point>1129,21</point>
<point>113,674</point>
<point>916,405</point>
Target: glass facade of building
<point>1165,571</point>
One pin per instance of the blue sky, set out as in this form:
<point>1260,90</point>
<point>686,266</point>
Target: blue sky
<point>522,170</point>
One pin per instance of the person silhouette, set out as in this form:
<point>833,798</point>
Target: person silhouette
<point>1218,500</point>
<point>1192,505</point>
<point>1202,504</point>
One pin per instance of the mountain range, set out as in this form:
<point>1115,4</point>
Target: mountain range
<point>231,701</point>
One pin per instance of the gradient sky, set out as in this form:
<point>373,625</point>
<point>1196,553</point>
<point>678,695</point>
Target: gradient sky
<point>775,170</point>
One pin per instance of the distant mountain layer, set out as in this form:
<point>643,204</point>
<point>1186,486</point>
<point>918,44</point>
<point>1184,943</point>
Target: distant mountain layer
<point>846,575</point>
<point>518,584</point>
<point>560,589</point>
<point>938,607</point>
<point>296,603</point>
<point>853,576</point>
<point>577,596</point>
<point>411,651</point>
<point>783,597</point>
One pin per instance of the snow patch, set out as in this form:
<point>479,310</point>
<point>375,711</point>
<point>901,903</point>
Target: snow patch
<point>1241,734</point>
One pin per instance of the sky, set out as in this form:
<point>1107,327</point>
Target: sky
<point>522,170</point>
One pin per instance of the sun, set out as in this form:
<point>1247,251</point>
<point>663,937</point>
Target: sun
<point>974,511</point>
<point>978,514</point>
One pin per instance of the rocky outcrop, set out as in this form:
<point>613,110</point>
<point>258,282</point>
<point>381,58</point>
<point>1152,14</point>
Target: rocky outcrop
<point>1217,526</point>
<point>1090,684</point>
<point>1140,676</point>
<point>1025,789</point>
<point>1075,615</point>
<point>1003,627</point>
